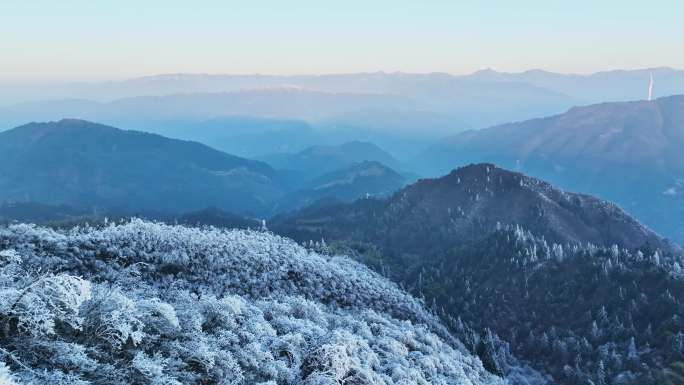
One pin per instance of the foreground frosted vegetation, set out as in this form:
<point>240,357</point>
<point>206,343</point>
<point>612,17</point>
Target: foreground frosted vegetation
<point>146,303</point>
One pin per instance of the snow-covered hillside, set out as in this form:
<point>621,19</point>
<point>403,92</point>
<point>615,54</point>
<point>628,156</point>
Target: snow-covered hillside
<point>146,303</point>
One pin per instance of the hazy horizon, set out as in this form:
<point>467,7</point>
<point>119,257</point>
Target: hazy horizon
<point>324,74</point>
<point>78,40</point>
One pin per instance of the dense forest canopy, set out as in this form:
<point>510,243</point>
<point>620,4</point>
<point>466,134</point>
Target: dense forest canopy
<point>146,303</point>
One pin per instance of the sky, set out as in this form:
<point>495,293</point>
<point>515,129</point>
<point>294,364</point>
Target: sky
<point>94,40</point>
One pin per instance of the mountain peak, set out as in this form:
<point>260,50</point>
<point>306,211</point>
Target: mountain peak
<point>74,121</point>
<point>475,168</point>
<point>68,133</point>
<point>488,178</point>
<point>485,71</point>
<point>321,159</point>
<point>65,124</point>
<point>476,199</point>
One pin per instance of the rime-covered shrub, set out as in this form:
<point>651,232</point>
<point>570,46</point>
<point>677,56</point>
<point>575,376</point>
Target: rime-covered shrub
<point>145,303</point>
<point>6,377</point>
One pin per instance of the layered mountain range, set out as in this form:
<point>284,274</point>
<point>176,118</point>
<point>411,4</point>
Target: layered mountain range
<point>484,247</point>
<point>91,167</point>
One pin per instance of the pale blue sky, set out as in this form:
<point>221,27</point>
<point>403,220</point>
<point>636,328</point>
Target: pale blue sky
<point>66,40</point>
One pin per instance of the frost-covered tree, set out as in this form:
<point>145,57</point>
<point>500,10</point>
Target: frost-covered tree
<point>146,303</point>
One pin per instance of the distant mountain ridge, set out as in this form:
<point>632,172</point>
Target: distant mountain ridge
<point>247,136</point>
<point>84,164</point>
<point>435,103</point>
<point>165,84</point>
<point>448,102</point>
<point>277,102</point>
<point>358,181</point>
<point>320,159</point>
<point>604,86</point>
<point>384,118</point>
